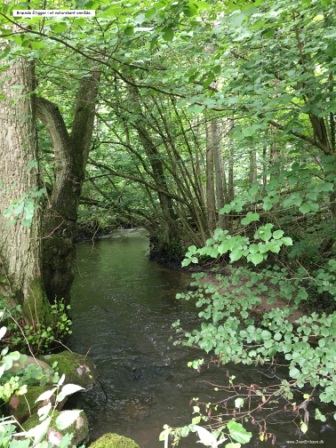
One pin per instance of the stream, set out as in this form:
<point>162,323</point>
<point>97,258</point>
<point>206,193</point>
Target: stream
<point>123,306</point>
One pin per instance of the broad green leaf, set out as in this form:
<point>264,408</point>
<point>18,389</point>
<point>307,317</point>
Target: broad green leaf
<point>250,217</point>
<point>294,373</point>
<point>238,432</point>
<point>236,255</point>
<point>278,234</point>
<point>168,34</point>
<point>287,241</point>
<point>224,247</point>
<point>129,30</point>
<point>196,108</point>
<point>60,27</point>
<point>255,258</point>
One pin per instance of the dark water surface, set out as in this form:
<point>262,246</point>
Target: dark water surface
<point>123,306</point>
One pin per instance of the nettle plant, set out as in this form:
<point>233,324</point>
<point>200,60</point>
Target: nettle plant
<point>247,317</point>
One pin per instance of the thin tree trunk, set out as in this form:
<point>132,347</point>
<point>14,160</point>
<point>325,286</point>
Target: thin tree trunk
<point>228,126</point>
<point>210,178</point>
<point>253,167</point>
<point>219,172</point>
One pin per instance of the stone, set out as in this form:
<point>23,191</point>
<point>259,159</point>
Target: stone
<point>79,429</point>
<point>29,362</point>
<point>78,369</point>
<point>112,440</point>
<point>22,406</point>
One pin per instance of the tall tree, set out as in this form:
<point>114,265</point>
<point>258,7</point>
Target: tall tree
<point>71,154</point>
<point>20,215</point>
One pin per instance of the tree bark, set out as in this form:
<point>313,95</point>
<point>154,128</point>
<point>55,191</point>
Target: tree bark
<point>219,172</point>
<point>71,154</point>
<point>210,178</point>
<point>228,126</point>
<point>253,167</point>
<point>20,244</point>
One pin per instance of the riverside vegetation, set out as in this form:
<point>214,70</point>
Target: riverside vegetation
<point>212,125</point>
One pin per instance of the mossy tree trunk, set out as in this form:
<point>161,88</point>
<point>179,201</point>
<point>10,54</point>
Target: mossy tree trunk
<point>20,243</point>
<point>60,216</point>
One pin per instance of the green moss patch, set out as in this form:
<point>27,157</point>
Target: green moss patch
<point>78,369</point>
<point>112,440</point>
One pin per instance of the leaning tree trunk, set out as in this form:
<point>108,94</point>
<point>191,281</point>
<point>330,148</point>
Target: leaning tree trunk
<point>71,154</point>
<point>167,242</point>
<point>20,243</point>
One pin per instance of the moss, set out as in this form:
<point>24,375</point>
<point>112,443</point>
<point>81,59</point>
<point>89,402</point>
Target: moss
<point>78,369</point>
<point>36,306</point>
<point>21,406</point>
<point>112,440</point>
<point>79,429</point>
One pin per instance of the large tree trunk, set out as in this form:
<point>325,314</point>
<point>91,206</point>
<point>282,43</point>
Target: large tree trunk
<point>20,243</point>
<point>71,154</point>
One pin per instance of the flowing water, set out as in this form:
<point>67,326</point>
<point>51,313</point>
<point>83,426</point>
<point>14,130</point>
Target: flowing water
<point>123,306</point>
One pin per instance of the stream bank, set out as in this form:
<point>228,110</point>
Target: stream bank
<point>122,308</point>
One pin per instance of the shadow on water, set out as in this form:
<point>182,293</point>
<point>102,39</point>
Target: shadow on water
<point>123,306</point>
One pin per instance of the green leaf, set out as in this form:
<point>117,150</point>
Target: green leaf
<point>236,255</point>
<point>294,373</point>
<point>29,210</point>
<point>255,258</point>
<point>196,108</point>
<point>196,420</point>
<point>60,27</point>
<point>224,247</point>
<point>305,208</point>
<point>37,45</point>
<point>304,427</point>
<point>264,233</point>
<point>278,234</point>
<point>238,432</point>
<point>250,217</point>
<point>319,415</point>
<point>129,30</point>
<point>168,34</point>
<point>287,241</point>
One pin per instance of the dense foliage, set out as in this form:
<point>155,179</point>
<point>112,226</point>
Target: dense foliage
<point>215,129</point>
